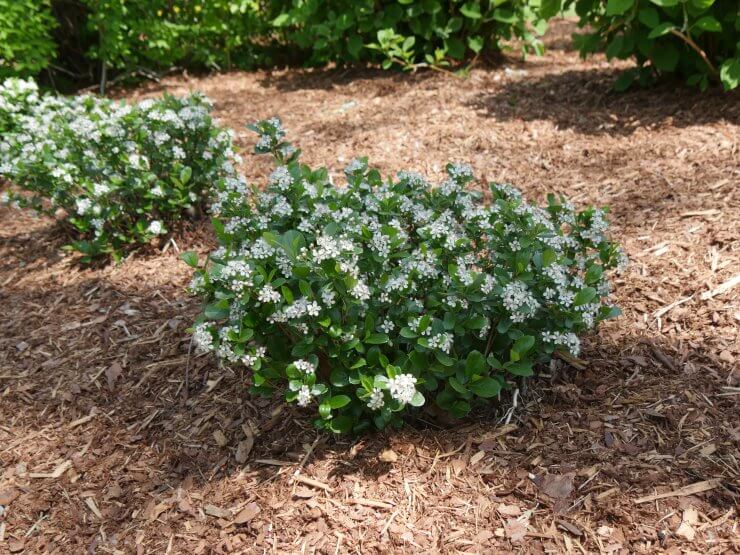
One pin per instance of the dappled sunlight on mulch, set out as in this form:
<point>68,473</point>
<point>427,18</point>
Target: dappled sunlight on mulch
<point>107,447</point>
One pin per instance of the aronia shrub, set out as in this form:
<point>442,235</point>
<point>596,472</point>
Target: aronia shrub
<point>118,174</point>
<point>17,97</point>
<point>368,300</point>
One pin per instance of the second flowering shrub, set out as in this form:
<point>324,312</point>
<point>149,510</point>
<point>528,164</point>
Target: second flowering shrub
<point>366,300</point>
<point>118,174</point>
<point>17,98</point>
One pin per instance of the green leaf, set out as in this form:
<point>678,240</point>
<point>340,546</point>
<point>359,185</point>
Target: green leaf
<point>648,17</point>
<point>504,15</point>
<point>618,7</point>
<point>339,401</point>
<point>444,359</point>
<point>417,400</point>
<point>460,409</point>
<point>185,174</point>
<point>665,3</point>
<point>377,338</point>
<point>459,387</point>
<point>729,73</point>
<point>190,258</point>
<point>217,311</point>
<point>338,378</point>
<point>520,368</point>
<point>340,424</point>
<point>281,20</point>
<point>550,8</point>
<point>523,344</point>
<point>610,312</point>
<point>354,45</point>
<point>325,410</point>
<point>408,333</point>
<point>625,80</point>
<point>702,5</point>
<point>661,29</point>
<point>477,322</point>
<point>614,47</point>
<point>486,387</point>
<point>665,57</point>
<point>584,296</point>
<point>475,43</point>
<point>708,23</point>
<point>475,363</point>
<point>471,10</point>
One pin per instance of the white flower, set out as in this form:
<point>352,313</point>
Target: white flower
<point>156,228</point>
<point>402,388</point>
<point>304,396</point>
<point>376,401</point>
<point>83,205</point>
<point>441,341</point>
<point>305,366</point>
<point>203,338</point>
<point>268,295</point>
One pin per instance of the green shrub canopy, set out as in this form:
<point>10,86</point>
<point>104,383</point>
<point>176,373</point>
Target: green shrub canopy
<point>365,300</point>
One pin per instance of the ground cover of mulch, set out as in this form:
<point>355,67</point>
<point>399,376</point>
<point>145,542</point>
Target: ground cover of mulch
<point>635,451</point>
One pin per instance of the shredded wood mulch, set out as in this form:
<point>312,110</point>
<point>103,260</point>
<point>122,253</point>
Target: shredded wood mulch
<point>106,448</point>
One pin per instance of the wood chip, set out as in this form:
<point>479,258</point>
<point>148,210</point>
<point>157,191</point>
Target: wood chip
<point>112,373</point>
<point>218,512</point>
<point>58,471</point>
<point>692,489</point>
<point>247,513</point>
<point>90,502</point>
<point>81,421</point>
<point>724,288</point>
<point>388,456</point>
<point>7,496</point>
<point>311,482</point>
<point>371,503</point>
<point>568,527</point>
<point>220,438</point>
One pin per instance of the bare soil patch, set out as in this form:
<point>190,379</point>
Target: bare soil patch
<point>101,452</point>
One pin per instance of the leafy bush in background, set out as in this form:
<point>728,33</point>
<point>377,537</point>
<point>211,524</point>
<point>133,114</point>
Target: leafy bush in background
<point>26,43</point>
<point>368,299</point>
<point>406,32</point>
<point>696,39</point>
<point>118,175</point>
<point>161,33</point>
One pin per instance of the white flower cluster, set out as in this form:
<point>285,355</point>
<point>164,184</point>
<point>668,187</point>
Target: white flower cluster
<point>111,164</point>
<point>377,400</point>
<point>568,340</point>
<point>402,388</point>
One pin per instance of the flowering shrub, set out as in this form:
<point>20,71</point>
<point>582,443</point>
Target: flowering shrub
<point>368,299</point>
<point>17,97</point>
<point>121,174</point>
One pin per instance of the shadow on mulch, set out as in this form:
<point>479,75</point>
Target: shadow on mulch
<point>329,78</point>
<point>584,101</point>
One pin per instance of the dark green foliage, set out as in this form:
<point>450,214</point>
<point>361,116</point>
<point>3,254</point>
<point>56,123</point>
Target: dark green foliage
<point>404,32</point>
<point>698,40</point>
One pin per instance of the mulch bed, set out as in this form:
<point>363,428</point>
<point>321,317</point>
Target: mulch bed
<point>106,448</point>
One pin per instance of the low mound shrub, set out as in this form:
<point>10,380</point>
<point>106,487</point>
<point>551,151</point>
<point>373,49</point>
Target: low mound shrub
<point>698,40</point>
<point>369,300</point>
<point>117,174</point>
